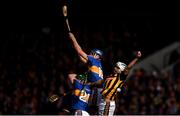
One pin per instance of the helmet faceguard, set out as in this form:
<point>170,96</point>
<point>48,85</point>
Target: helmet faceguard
<point>98,52</point>
<point>121,65</point>
<point>82,77</point>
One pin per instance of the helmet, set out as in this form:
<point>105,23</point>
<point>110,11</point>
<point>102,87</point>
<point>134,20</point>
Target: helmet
<point>121,65</point>
<point>82,77</point>
<point>98,52</point>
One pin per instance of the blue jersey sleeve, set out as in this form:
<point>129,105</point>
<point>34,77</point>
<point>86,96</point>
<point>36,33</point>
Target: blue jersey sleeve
<point>90,60</point>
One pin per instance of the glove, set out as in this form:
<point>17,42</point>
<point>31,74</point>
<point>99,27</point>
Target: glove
<point>53,98</point>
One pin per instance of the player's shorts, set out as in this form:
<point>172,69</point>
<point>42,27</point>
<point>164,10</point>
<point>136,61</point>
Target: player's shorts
<point>81,113</point>
<point>106,108</point>
<point>99,96</point>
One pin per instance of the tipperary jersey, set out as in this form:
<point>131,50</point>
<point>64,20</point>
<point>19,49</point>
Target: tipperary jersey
<point>95,69</point>
<point>80,96</point>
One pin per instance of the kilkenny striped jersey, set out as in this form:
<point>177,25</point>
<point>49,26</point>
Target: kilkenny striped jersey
<point>110,86</point>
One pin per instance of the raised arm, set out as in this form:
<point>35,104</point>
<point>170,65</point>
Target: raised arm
<point>72,77</point>
<point>81,53</point>
<point>96,83</point>
<point>132,63</point>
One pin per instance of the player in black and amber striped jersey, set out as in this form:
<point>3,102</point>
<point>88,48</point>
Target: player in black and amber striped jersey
<point>112,84</point>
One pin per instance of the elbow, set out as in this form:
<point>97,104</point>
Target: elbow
<point>80,52</point>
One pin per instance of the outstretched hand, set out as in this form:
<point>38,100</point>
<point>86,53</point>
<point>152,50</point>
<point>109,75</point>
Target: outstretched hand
<point>138,54</point>
<point>71,35</point>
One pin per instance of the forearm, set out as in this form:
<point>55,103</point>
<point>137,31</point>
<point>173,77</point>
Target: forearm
<point>74,42</point>
<point>132,63</point>
<point>95,84</point>
<point>77,46</point>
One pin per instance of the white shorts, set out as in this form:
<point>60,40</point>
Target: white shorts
<point>110,108</point>
<point>81,113</point>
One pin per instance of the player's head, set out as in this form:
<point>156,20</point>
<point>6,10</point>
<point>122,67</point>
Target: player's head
<point>119,67</point>
<point>96,53</point>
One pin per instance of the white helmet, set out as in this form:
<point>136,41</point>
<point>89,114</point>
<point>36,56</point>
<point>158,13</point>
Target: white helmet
<point>121,65</point>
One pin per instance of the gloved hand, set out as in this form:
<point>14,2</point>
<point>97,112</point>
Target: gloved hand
<point>53,98</point>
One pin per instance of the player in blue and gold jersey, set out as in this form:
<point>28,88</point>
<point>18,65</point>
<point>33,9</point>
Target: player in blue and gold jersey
<point>80,95</point>
<point>93,61</point>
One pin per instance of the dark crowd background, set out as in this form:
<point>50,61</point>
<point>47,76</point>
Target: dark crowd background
<point>35,53</point>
